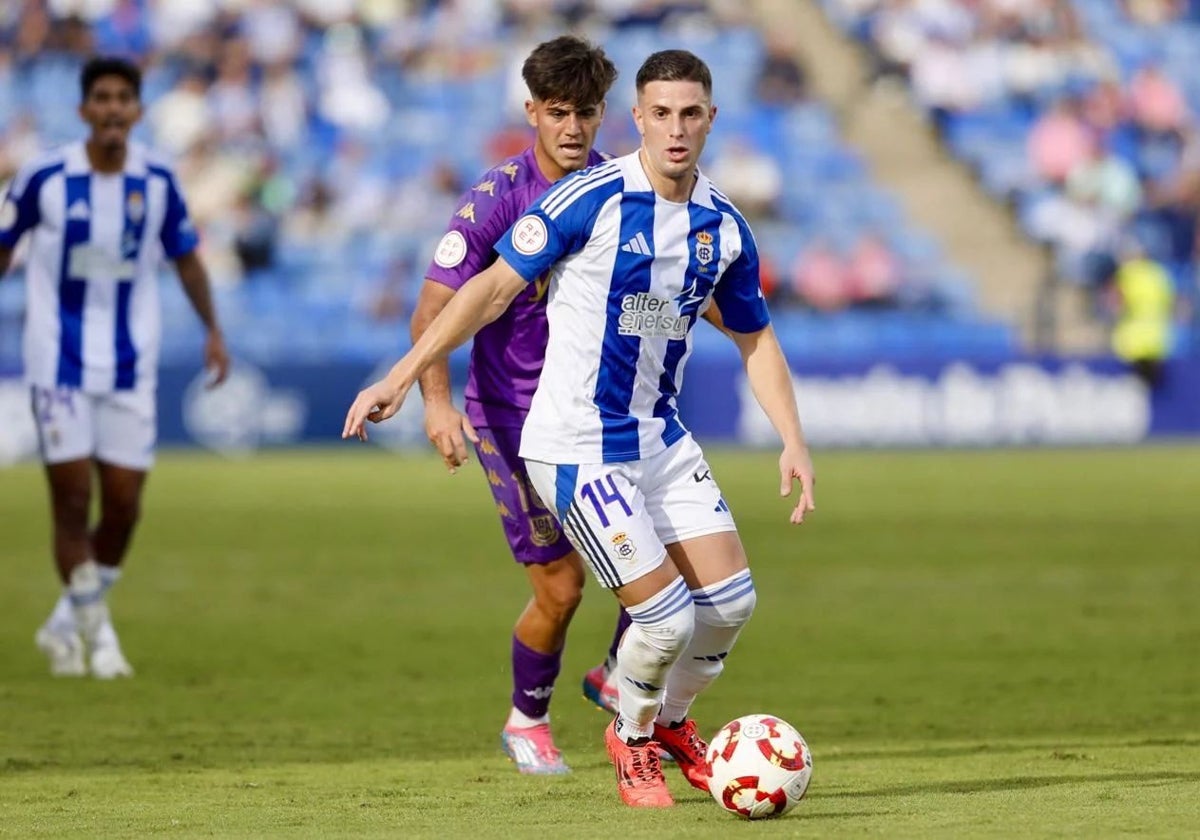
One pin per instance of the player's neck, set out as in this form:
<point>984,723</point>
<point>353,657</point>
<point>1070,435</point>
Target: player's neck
<point>550,170</point>
<point>668,188</point>
<point>106,158</point>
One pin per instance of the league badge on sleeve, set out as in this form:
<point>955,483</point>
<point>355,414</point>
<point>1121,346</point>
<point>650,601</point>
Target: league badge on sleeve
<point>451,251</point>
<point>529,235</point>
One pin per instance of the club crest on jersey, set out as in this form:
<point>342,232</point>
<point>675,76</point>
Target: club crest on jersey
<point>451,251</point>
<point>704,247</point>
<point>543,530</point>
<point>135,206</point>
<point>623,546</point>
<point>529,235</point>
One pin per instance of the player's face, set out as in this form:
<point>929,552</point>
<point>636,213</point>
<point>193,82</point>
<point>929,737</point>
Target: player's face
<point>111,109</point>
<point>674,119</point>
<point>565,134</point>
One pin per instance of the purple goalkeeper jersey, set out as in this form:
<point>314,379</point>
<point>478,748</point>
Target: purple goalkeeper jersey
<point>507,356</point>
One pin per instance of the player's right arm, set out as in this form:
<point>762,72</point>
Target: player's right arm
<point>482,300</point>
<point>445,425</point>
<point>20,210</point>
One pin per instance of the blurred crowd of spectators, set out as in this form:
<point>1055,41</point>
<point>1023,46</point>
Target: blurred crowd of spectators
<point>325,142</point>
<point>280,114</point>
<point>1073,110</point>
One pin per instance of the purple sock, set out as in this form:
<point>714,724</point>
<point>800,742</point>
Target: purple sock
<point>533,678</point>
<point>623,622</point>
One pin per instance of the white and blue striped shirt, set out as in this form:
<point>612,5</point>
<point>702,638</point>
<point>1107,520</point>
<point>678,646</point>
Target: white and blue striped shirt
<point>93,319</point>
<point>630,272</point>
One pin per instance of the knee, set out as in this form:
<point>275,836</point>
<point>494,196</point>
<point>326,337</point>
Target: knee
<point>671,627</point>
<point>121,511</point>
<point>731,605</point>
<point>71,506</point>
<point>558,597</point>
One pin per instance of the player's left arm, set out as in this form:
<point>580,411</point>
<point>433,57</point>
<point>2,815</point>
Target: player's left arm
<point>194,279</point>
<point>745,319</point>
<point>771,381</point>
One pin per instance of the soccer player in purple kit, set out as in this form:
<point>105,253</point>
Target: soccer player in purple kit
<point>568,80</point>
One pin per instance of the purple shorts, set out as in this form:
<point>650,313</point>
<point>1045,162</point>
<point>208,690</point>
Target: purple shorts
<point>529,526</point>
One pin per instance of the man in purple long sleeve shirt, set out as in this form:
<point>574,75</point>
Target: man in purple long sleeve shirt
<point>568,80</point>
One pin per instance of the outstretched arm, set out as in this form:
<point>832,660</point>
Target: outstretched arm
<point>480,301</point>
<point>194,279</point>
<point>771,381</point>
<point>445,425</point>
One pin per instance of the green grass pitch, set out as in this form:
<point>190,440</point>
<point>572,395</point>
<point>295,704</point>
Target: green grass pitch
<point>974,643</point>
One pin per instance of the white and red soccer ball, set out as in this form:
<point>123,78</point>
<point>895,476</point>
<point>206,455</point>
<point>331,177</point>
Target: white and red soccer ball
<point>760,766</point>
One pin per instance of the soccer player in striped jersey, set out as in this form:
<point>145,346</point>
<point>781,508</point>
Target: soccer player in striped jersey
<point>568,80</point>
<point>637,248</point>
<point>102,215</point>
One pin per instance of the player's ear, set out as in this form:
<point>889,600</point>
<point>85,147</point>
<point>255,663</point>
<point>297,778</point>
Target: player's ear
<point>637,120</point>
<point>531,112</point>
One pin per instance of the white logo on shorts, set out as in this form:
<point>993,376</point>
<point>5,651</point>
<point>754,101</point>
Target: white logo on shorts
<point>529,235</point>
<point>451,251</point>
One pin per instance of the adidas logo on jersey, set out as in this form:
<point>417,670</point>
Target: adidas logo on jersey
<point>637,245</point>
<point>78,210</point>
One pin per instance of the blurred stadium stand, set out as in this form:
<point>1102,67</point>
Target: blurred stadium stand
<point>322,146</point>
<point>1079,114</point>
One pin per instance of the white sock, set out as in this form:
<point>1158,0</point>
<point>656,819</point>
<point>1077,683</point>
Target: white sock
<point>722,610</point>
<point>87,601</point>
<point>519,720</point>
<point>109,575</point>
<point>661,629</point>
<point>62,617</point>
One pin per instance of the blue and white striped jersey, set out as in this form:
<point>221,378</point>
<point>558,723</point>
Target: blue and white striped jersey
<point>93,319</point>
<point>630,273</point>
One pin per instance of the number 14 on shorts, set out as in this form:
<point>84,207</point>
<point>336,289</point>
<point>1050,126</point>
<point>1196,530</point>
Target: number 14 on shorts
<point>603,493</point>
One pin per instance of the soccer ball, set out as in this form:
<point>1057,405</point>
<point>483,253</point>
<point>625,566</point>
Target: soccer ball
<point>760,766</point>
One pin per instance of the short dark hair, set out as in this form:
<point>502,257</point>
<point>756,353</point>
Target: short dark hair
<point>569,69</point>
<point>107,65</point>
<point>674,66</point>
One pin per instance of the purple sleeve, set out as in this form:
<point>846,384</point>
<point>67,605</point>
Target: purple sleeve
<point>468,245</point>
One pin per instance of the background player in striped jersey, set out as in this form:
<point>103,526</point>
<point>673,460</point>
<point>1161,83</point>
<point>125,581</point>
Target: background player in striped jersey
<point>637,248</point>
<point>102,214</point>
<point>568,80</point>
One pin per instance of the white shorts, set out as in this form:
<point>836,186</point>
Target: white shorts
<point>118,428</point>
<point>621,516</point>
